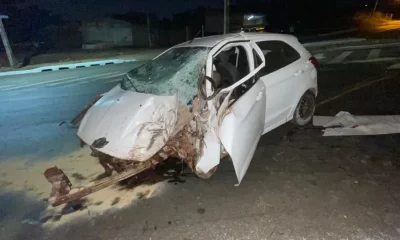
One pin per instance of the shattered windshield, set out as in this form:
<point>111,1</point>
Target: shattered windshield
<point>174,72</point>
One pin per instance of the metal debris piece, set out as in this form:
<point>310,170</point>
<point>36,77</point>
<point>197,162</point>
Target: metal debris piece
<point>346,124</point>
<point>60,182</point>
<point>77,193</point>
<point>31,222</point>
<point>80,116</point>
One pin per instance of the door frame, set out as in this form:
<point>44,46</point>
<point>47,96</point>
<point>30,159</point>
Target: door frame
<point>217,116</point>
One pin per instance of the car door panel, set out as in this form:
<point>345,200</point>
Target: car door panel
<point>242,128</point>
<point>238,126</point>
<point>279,93</point>
<point>279,76</point>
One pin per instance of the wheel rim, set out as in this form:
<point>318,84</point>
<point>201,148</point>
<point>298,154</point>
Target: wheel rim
<point>306,107</point>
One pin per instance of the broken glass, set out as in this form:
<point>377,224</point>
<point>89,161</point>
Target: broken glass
<point>175,72</point>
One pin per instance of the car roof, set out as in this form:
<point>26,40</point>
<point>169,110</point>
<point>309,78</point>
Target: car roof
<point>211,41</point>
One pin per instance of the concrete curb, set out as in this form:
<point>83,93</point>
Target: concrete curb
<point>67,66</point>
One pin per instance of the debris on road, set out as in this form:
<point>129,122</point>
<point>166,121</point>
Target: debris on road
<point>73,123</point>
<point>31,222</point>
<point>346,124</point>
<point>394,66</point>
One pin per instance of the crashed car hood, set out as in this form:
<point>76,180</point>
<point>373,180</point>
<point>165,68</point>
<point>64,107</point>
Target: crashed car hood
<point>129,125</point>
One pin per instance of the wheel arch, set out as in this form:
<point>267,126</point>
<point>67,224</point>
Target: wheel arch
<point>310,90</point>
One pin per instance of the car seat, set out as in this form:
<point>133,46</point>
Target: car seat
<point>229,73</point>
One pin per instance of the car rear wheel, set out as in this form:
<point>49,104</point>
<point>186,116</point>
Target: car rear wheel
<point>305,110</point>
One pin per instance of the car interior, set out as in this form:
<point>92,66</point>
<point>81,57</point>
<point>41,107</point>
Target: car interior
<point>232,65</point>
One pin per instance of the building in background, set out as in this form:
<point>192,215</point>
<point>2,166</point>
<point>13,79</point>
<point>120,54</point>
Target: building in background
<point>106,33</point>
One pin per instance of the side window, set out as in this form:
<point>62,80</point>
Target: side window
<point>232,64</point>
<point>277,54</point>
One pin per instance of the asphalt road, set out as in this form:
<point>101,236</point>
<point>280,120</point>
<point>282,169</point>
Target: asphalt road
<point>34,104</point>
<point>299,185</point>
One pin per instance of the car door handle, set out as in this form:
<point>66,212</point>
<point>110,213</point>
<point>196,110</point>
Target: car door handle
<point>298,73</point>
<point>259,96</point>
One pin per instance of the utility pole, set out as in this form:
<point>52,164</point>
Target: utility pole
<point>149,29</point>
<point>7,45</point>
<point>187,33</point>
<point>226,16</point>
<point>376,5</point>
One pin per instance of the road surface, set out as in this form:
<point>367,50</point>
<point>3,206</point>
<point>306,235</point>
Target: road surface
<point>299,184</point>
<point>32,104</point>
<point>363,55</point>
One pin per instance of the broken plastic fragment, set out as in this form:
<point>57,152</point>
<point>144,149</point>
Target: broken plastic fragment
<point>346,124</point>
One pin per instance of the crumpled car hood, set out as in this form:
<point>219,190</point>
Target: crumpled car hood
<point>132,125</point>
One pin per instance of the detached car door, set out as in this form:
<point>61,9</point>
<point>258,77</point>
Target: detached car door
<point>242,124</point>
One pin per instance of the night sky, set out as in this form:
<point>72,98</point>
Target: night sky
<point>86,9</point>
<point>83,9</point>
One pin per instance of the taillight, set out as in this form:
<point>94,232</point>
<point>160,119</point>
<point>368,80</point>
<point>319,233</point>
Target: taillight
<point>314,61</point>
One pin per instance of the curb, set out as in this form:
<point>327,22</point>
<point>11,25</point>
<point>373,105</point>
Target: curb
<point>67,66</point>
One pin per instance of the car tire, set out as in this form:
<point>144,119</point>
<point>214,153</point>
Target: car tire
<point>305,109</point>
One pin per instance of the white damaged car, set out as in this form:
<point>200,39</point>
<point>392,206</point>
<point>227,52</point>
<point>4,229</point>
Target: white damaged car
<point>198,101</point>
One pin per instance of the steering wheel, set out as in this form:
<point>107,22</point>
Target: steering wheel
<point>203,95</point>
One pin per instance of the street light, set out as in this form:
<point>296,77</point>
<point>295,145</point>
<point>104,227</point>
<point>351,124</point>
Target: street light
<point>226,16</point>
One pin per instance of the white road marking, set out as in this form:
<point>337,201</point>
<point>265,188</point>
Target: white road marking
<point>341,57</point>
<point>374,53</point>
<point>117,76</point>
<point>9,85</point>
<point>80,79</point>
<point>319,56</point>
<point>26,84</point>
<point>374,60</point>
<point>54,82</point>
<point>15,87</point>
<point>114,80</point>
